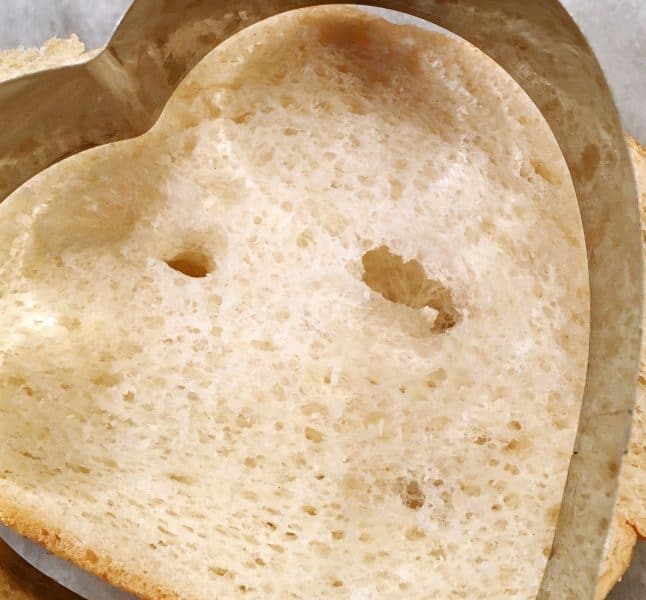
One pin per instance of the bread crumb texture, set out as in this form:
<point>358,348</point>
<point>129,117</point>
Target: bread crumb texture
<point>55,53</point>
<point>321,333</point>
<point>629,521</point>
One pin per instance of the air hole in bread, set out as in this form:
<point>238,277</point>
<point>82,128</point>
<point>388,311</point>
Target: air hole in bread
<point>415,534</point>
<point>406,283</point>
<point>313,435</point>
<point>411,494</point>
<point>185,479</point>
<point>192,263</point>
<point>545,172</point>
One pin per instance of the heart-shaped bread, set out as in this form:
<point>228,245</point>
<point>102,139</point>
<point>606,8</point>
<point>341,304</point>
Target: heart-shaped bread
<point>321,333</point>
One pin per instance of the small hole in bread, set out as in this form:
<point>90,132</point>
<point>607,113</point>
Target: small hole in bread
<point>192,263</point>
<point>411,494</point>
<point>406,283</point>
<point>91,556</point>
<point>313,435</point>
<point>415,534</point>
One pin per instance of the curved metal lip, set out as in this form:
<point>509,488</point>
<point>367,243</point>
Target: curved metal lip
<point>158,42</point>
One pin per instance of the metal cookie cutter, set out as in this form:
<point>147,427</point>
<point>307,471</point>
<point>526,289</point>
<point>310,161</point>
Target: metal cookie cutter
<point>120,93</point>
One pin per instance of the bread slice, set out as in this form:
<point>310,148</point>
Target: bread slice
<point>629,522</point>
<point>322,332</point>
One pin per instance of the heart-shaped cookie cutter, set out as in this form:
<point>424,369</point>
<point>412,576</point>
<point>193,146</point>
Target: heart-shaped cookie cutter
<point>120,93</point>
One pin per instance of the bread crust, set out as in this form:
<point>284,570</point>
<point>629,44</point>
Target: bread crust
<point>64,546</point>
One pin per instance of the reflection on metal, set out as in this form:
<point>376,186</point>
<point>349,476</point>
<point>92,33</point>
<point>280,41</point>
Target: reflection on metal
<point>120,94</point>
<point>19,571</point>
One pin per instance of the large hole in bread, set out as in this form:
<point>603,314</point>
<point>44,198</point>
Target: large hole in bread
<point>406,283</point>
<point>192,263</point>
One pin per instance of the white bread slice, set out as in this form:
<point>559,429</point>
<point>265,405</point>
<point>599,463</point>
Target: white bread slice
<point>629,522</point>
<point>278,427</point>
